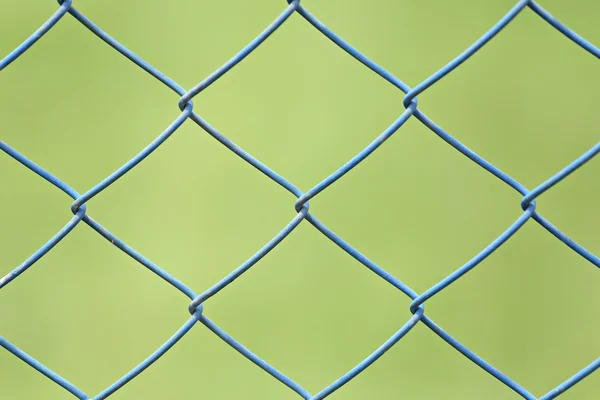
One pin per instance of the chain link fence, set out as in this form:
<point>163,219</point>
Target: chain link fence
<point>417,307</point>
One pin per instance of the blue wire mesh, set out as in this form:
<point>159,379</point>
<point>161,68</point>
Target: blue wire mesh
<point>417,307</point>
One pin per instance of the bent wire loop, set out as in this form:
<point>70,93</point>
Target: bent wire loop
<point>196,305</point>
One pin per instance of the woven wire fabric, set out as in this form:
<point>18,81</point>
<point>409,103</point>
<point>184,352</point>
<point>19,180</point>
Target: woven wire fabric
<point>417,306</point>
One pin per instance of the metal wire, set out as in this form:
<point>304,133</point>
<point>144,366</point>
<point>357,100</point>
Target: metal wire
<point>417,308</point>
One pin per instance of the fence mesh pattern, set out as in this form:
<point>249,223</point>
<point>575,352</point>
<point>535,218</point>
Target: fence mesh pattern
<point>417,306</point>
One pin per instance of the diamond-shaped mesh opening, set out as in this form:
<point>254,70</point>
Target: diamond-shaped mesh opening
<point>492,293</point>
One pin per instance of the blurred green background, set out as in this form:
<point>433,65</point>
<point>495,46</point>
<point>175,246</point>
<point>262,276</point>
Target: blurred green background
<point>528,102</point>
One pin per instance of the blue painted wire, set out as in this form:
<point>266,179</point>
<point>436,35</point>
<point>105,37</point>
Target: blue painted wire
<point>250,47</point>
<point>95,29</point>
<point>47,372</point>
<point>60,234</point>
<point>358,256</point>
<point>35,36</point>
<point>588,255</point>
<point>250,262</point>
<point>80,215</point>
<point>176,283</point>
<point>569,383</point>
<point>564,29</point>
<point>465,55</point>
<point>562,174</point>
<point>254,358</point>
<point>134,161</point>
<point>477,360</point>
<point>500,240</point>
<point>151,359</point>
<point>367,151</point>
<point>367,362</point>
<point>331,35</point>
<point>302,206</point>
